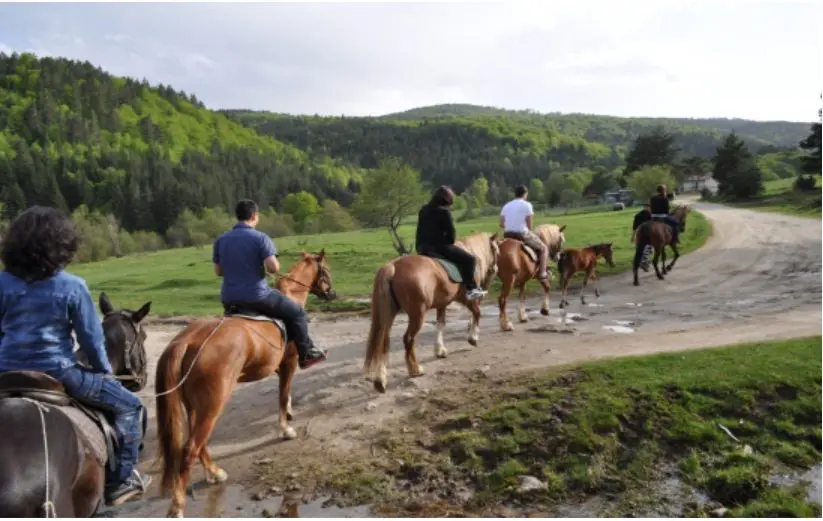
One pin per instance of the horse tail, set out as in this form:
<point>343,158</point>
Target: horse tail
<point>169,404</point>
<point>384,307</point>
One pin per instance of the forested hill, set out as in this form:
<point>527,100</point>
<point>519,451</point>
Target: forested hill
<point>455,144</point>
<point>71,135</point>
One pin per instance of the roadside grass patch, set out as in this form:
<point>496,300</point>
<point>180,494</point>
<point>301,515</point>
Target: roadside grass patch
<point>629,431</point>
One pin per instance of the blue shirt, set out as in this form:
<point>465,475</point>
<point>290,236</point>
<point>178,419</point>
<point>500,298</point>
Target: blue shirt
<point>240,253</point>
<point>37,319</point>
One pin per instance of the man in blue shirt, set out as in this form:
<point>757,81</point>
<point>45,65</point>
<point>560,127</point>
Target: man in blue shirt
<point>40,306</point>
<point>242,256</point>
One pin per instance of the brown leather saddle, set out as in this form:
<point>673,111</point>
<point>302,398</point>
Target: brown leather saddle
<point>525,247</point>
<point>91,422</point>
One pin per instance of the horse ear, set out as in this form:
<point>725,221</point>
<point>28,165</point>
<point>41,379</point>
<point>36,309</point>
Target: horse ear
<point>304,254</point>
<point>141,313</point>
<point>562,227</point>
<point>493,238</point>
<point>105,304</point>
<point>322,254</point>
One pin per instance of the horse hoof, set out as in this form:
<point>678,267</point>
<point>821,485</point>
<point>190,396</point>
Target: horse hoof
<point>417,374</point>
<point>544,312</point>
<point>289,433</point>
<point>473,342</point>
<point>441,353</point>
<point>218,477</point>
<point>523,320</point>
<point>661,277</point>
<point>636,283</point>
<point>379,386</point>
<point>175,513</point>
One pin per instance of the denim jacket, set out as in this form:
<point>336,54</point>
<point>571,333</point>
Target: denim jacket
<point>37,320</point>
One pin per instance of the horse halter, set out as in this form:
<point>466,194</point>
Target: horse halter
<point>315,289</point>
<point>139,336</point>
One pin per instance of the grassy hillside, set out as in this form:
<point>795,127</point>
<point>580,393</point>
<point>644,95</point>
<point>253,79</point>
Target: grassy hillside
<point>71,135</point>
<point>181,281</point>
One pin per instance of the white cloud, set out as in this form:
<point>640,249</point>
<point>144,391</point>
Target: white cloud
<point>754,59</point>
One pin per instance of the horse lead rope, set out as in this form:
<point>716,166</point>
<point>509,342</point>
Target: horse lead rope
<point>48,505</point>
<point>194,361</point>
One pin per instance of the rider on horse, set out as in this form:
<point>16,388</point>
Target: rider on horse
<point>660,205</point>
<point>516,219</point>
<point>40,306</point>
<point>436,236</point>
<point>240,256</point>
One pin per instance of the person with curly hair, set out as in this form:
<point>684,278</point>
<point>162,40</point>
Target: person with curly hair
<point>40,306</point>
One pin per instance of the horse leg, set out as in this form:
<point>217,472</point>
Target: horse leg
<point>655,260</point>
<point>439,348</point>
<point>586,276</point>
<point>639,251</point>
<point>594,282</point>
<point>416,317</point>
<point>663,260</point>
<point>521,316</point>
<point>676,255</point>
<point>564,283</point>
<point>544,309</point>
<point>474,322</point>
<point>288,367</point>
<point>505,291</point>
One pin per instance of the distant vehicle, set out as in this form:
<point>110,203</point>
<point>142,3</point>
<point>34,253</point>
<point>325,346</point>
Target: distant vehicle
<point>618,206</point>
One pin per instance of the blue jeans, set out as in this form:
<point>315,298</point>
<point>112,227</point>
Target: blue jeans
<point>109,395</point>
<point>277,305</point>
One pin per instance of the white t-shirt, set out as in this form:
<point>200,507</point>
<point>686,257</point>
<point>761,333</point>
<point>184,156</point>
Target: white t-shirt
<point>514,215</point>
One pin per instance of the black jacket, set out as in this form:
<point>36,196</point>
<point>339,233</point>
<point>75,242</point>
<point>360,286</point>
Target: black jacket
<point>435,228</point>
<point>659,204</point>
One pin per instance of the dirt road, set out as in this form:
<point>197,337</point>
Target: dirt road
<point>757,278</point>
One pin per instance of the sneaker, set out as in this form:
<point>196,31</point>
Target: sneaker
<point>135,485</point>
<point>314,356</point>
<point>475,294</point>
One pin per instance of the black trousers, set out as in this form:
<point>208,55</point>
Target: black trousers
<point>464,261</point>
<point>277,305</point>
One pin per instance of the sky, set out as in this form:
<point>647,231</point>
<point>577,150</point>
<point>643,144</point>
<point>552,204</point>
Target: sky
<point>666,58</point>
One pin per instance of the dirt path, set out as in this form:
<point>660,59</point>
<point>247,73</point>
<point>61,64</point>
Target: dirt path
<point>757,278</point>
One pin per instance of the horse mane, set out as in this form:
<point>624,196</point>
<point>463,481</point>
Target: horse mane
<point>680,210</point>
<point>479,245</point>
<point>550,234</point>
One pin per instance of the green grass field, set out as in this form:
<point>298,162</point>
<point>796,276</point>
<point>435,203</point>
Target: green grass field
<point>779,196</point>
<point>622,431</point>
<point>180,282</point>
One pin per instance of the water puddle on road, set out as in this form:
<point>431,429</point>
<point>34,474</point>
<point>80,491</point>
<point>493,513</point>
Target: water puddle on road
<point>235,501</point>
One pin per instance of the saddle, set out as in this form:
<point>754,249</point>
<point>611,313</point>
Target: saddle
<point>91,422</point>
<point>245,313</point>
<point>450,267</point>
<point>525,247</point>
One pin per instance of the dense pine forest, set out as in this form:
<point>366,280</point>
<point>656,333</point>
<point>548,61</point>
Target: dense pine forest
<point>143,167</point>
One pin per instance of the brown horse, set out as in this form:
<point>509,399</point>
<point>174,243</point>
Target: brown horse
<point>201,366</point>
<point>52,462</point>
<point>516,267</point>
<point>415,284</point>
<point>659,235</point>
<point>585,260</point>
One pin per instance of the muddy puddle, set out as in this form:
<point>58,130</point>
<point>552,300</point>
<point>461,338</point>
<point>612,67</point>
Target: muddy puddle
<point>235,501</point>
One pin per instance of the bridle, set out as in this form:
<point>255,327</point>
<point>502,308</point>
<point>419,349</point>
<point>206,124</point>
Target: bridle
<point>131,375</point>
<point>314,288</point>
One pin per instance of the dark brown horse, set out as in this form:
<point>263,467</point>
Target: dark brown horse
<point>585,260</point>
<point>659,235</point>
<point>49,463</point>
<point>202,365</point>
<point>516,268</point>
<point>415,284</point>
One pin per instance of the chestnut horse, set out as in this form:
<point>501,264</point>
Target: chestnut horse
<point>50,460</point>
<point>201,366</point>
<point>659,235</point>
<point>585,260</point>
<point>415,284</point>
<point>516,268</point>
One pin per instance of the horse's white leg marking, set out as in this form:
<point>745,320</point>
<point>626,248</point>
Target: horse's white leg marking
<point>522,314</point>
<point>439,347</point>
<point>474,330</point>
